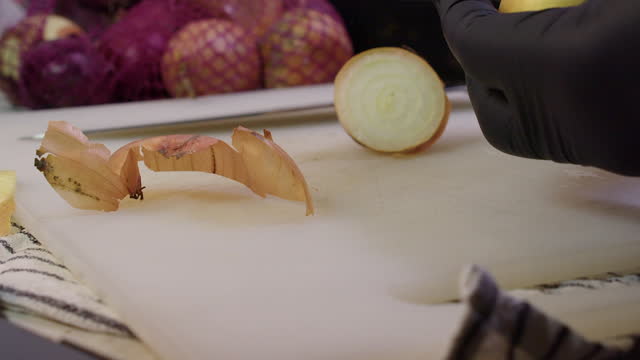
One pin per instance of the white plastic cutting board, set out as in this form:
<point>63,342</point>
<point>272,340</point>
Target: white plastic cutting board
<point>204,269</point>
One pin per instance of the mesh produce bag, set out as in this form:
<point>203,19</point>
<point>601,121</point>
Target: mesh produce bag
<point>64,72</point>
<point>18,39</point>
<point>304,47</point>
<point>211,56</point>
<point>135,45</point>
<point>126,52</point>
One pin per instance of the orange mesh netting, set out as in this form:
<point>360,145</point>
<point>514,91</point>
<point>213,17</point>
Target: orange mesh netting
<point>85,52</point>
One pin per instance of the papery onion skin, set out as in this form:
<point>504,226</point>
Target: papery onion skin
<point>77,169</point>
<point>77,185</point>
<point>266,156</point>
<point>178,153</point>
<point>206,154</point>
<point>88,176</point>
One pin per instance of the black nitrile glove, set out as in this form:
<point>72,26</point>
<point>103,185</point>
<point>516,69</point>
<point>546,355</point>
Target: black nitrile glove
<point>559,84</point>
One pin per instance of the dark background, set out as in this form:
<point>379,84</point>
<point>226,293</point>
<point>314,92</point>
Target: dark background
<point>412,23</point>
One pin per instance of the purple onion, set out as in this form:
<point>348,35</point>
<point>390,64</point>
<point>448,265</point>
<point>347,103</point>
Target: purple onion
<point>20,38</point>
<point>135,44</point>
<point>65,72</point>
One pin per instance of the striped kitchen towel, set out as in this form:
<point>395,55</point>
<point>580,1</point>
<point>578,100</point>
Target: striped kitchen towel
<point>497,325</point>
<point>33,280</point>
<point>500,326</point>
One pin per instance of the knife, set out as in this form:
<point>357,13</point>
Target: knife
<point>233,108</point>
<point>179,112</point>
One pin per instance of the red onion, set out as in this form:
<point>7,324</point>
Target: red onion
<point>65,72</point>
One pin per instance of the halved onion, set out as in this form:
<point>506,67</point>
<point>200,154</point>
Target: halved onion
<point>391,100</point>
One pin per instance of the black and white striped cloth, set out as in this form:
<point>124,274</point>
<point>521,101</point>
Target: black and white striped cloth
<point>500,326</point>
<point>496,326</point>
<point>33,280</point>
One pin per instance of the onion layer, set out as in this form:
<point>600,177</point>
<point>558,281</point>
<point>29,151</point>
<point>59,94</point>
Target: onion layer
<point>87,176</point>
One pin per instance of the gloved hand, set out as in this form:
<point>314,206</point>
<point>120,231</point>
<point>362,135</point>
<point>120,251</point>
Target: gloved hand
<point>559,84</point>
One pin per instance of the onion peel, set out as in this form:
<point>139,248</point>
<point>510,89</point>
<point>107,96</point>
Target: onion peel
<point>271,170</point>
<point>178,153</point>
<point>88,176</point>
<point>78,169</point>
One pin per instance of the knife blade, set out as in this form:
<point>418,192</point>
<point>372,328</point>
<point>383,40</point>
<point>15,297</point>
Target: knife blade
<point>225,109</point>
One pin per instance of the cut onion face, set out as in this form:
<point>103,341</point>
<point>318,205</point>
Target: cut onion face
<point>87,176</point>
<point>391,100</point>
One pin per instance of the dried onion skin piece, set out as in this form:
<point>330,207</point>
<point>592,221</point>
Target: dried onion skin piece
<point>78,169</point>
<point>271,169</point>
<point>179,153</point>
<point>87,176</point>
